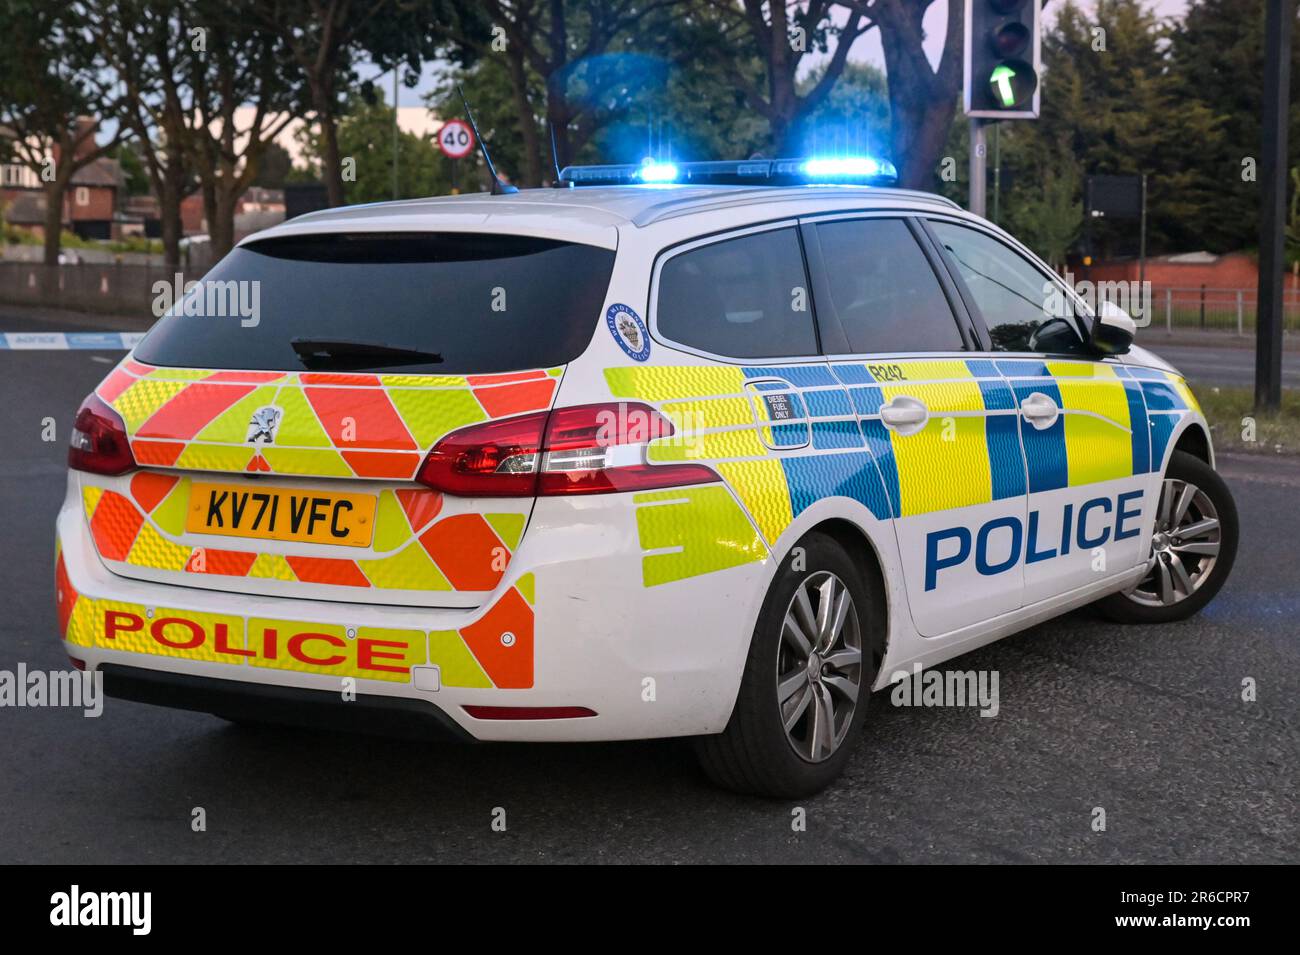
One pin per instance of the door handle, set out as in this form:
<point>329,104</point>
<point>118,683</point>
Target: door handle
<point>1040,410</point>
<point>905,415</point>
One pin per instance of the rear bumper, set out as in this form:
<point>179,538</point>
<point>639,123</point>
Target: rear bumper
<point>285,705</point>
<point>577,621</point>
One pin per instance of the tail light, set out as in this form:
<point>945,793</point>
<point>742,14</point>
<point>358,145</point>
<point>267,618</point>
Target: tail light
<point>529,712</point>
<point>586,449</point>
<point>99,443</point>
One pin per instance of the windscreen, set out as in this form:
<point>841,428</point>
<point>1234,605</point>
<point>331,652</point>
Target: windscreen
<point>426,303</point>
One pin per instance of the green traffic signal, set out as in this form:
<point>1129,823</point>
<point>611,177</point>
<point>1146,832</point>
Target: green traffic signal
<point>1002,57</point>
<point>1012,83</point>
<point>1001,80</point>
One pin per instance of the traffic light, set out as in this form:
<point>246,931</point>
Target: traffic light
<point>1003,59</point>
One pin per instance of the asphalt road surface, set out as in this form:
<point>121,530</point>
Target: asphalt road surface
<point>1226,366</point>
<point>1146,723</point>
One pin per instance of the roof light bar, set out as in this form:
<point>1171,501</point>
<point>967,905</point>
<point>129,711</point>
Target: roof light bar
<point>837,166</point>
<point>855,170</point>
<point>658,172</point>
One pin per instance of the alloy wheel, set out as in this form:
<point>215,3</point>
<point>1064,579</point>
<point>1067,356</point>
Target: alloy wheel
<point>1184,546</point>
<point>819,666</point>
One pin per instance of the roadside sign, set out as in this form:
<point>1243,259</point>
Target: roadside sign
<point>1116,197</point>
<point>456,139</point>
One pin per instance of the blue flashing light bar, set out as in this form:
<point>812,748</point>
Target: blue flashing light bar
<point>848,170</point>
<point>658,172</point>
<point>835,167</point>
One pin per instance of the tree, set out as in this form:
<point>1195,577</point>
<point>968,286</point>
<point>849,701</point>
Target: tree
<point>274,167</point>
<point>698,110</point>
<point>133,168</point>
<point>854,117</point>
<point>323,39</point>
<point>1047,214</point>
<point>1125,113</point>
<point>54,97</point>
<point>781,35</point>
<point>1216,57</point>
<point>922,99</point>
<point>148,48</point>
<point>240,64</point>
<point>320,36</point>
<point>579,56</point>
<point>490,91</point>
<point>365,134</point>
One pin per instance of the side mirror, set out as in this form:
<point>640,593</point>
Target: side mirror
<point>1113,329</point>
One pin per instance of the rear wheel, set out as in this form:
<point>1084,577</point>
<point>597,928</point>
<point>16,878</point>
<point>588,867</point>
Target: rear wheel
<point>1192,548</point>
<point>803,695</point>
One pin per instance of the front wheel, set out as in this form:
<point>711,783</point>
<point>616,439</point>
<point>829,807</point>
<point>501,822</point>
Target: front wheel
<point>1192,547</point>
<point>811,665</point>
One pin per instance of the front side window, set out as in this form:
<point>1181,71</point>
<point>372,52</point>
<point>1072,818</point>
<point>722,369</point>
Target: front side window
<point>1024,309</point>
<point>745,297</point>
<point>883,290</point>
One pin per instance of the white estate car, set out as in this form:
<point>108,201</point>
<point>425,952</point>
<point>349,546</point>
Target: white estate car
<point>627,459</point>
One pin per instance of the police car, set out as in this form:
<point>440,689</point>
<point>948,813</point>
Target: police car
<point>706,450</point>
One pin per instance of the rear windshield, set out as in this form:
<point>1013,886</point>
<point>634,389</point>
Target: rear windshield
<point>438,303</point>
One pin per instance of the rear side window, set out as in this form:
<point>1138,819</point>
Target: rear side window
<point>743,298</point>
<point>883,289</point>
<point>425,303</point>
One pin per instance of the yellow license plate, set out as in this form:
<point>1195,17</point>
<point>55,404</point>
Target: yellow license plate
<point>311,517</point>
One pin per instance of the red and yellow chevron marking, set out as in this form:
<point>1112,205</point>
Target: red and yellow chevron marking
<point>416,550</point>
<point>496,651</point>
<point>333,425</point>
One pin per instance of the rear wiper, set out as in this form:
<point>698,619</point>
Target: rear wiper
<point>342,354</point>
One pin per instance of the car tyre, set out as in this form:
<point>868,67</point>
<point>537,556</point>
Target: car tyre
<point>792,731</point>
<point>1192,548</point>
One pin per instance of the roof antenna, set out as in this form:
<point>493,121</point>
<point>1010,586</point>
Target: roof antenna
<point>555,157</point>
<point>499,188</point>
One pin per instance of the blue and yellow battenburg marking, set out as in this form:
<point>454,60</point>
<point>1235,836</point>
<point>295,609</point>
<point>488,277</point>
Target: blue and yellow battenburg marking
<point>828,440</point>
<point>1167,399</point>
<point>712,409</point>
<point>964,455</point>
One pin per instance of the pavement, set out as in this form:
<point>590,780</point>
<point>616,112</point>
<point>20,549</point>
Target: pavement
<point>1145,723</point>
<point>27,318</point>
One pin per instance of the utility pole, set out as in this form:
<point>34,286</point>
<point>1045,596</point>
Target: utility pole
<point>1001,63</point>
<point>395,190</point>
<point>978,161</point>
<point>1142,250</point>
<point>1272,220</point>
<point>997,172</point>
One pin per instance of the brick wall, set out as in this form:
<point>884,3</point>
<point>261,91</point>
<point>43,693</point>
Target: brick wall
<point>1236,270</point>
<point>100,203</point>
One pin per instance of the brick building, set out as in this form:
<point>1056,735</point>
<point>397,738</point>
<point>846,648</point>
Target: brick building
<point>258,208</point>
<point>90,203</point>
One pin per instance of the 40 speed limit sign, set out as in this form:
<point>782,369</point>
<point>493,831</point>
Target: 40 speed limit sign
<point>455,139</point>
